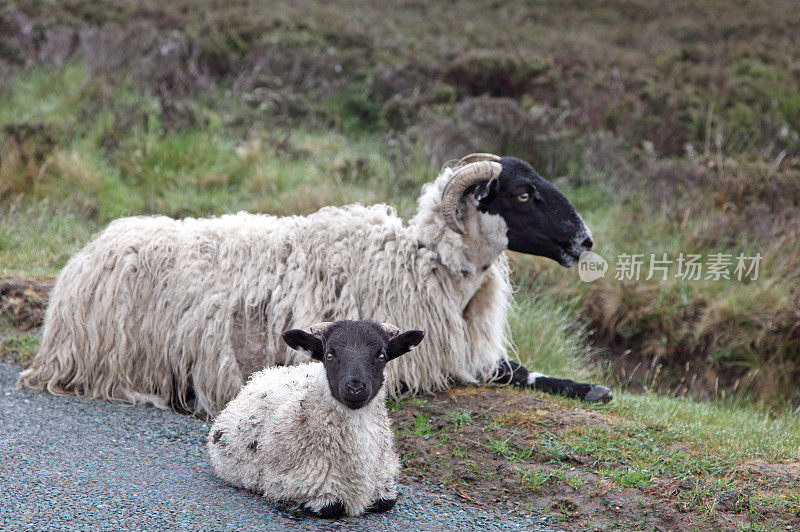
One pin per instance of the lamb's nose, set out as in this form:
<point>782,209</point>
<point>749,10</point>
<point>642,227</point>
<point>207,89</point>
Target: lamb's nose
<point>354,387</point>
<point>587,243</point>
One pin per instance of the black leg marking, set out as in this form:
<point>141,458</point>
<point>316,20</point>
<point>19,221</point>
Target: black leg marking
<point>382,505</point>
<point>332,510</point>
<point>404,389</point>
<point>572,389</point>
<point>190,400</point>
<point>511,372</point>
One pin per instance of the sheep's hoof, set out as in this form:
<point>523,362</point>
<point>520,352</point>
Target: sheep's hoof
<point>599,393</point>
<point>382,505</point>
<point>332,510</point>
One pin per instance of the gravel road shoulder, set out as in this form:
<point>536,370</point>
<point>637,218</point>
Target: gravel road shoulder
<point>66,463</point>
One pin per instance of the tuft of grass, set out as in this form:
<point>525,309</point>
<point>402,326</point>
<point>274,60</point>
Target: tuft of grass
<point>550,336</point>
<point>422,426</point>
<point>575,482</point>
<point>460,418</point>
<point>535,479</point>
<point>37,240</point>
<point>627,477</point>
<point>510,452</point>
<point>460,452</point>
<point>22,347</point>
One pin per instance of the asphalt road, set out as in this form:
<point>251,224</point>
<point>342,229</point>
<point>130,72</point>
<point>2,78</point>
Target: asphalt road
<point>68,464</point>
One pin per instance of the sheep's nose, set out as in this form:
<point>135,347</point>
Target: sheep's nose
<point>587,243</point>
<point>354,387</point>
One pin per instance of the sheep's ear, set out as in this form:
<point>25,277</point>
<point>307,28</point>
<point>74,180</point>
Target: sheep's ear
<point>486,191</point>
<point>303,341</point>
<point>403,343</point>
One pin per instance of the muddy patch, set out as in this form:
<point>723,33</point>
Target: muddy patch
<point>23,302</point>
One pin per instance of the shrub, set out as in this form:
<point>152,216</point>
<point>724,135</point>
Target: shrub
<point>495,74</point>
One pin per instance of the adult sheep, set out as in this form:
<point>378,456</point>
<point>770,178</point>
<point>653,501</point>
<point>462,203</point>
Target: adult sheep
<point>180,312</point>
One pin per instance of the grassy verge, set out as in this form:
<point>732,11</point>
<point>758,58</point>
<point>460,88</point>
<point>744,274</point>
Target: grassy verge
<point>642,462</point>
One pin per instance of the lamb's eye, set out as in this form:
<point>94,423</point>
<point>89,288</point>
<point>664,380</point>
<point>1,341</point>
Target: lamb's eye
<point>524,197</point>
<point>329,355</point>
<point>381,356</point>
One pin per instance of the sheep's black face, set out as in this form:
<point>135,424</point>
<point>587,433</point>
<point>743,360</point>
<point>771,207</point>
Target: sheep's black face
<point>540,220</point>
<point>354,354</point>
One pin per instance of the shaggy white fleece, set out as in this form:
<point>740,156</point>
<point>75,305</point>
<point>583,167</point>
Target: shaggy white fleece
<point>286,437</point>
<point>154,307</point>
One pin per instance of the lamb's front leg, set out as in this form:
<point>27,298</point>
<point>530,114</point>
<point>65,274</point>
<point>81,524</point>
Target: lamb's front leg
<point>386,495</point>
<point>511,372</point>
<point>325,508</point>
<point>382,505</point>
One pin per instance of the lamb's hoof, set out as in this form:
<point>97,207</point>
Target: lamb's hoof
<point>332,510</point>
<point>599,393</point>
<point>382,505</point>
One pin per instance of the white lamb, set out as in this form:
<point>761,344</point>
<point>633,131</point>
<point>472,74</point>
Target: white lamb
<point>317,435</point>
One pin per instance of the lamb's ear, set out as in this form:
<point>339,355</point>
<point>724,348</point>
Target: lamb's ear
<point>403,343</point>
<point>303,341</point>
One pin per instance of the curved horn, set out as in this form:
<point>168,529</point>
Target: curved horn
<point>463,178</point>
<point>471,158</point>
<point>475,157</point>
<point>390,329</point>
<point>318,328</point>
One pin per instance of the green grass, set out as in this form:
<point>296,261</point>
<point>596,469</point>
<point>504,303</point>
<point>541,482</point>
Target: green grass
<point>709,445</point>
<point>510,452</point>
<point>460,452</point>
<point>422,426</point>
<point>574,482</point>
<point>20,346</point>
<point>627,477</point>
<point>550,336</point>
<point>460,418</point>
<point>36,241</point>
<point>535,479</point>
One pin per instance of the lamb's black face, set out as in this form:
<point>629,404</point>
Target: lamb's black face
<point>354,354</point>
<point>540,220</point>
<point>354,358</point>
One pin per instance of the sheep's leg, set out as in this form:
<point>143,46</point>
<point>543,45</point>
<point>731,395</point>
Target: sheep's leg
<point>325,509</point>
<point>513,373</point>
<point>382,505</point>
<point>386,492</point>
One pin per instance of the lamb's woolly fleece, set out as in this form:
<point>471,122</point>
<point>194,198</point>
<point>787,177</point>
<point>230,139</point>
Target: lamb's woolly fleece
<point>286,437</point>
<point>153,305</point>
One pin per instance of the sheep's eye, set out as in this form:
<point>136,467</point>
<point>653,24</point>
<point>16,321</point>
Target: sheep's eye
<point>329,355</point>
<point>381,356</point>
<point>524,197</point>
